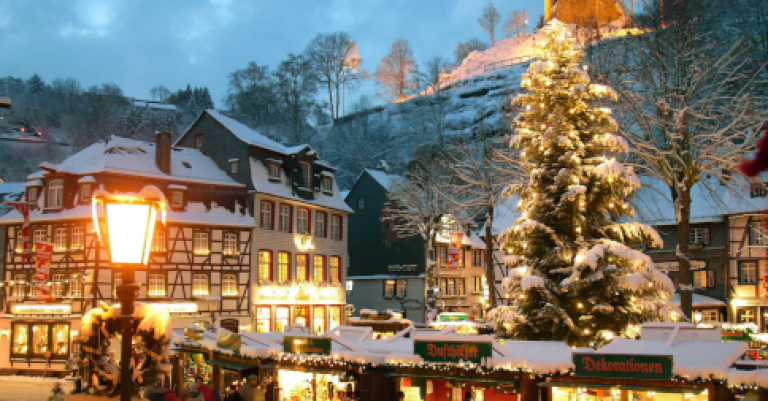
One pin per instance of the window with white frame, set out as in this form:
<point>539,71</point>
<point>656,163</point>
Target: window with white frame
<point>748,272</point>
<point>746,315</point>
<point>76,285</point>
<point>39,235</point>
<point>302,225</point>
<point>285,218</point>
<point>200,285</point>
<point>78,239</point>
<point>32,195</point>
<point>306,172</point>
<point>158,240</point>
<point>59,286</point>
<point>709,315</point>
<point>19,240</point>
<point>700,236</point>
<point>55,193</point>
<point>320,224</point>
<point>336,227</point>
<point>20,285</point>
<point>757,233</point>
<point>389,288</point>
<point>229,285</point>
<point>230,244</point>
<point>273,171</point>
<point>200,245</point>
<point>360,203</point>
<point>758,190</point>
<point>266,215</point>
<point>318,272</point>
<point>326,184</point>
<point>177,198</point>
<point>85,193</point>
<point>700,278</point>
<point>156,285</point>
<point>60,239</point>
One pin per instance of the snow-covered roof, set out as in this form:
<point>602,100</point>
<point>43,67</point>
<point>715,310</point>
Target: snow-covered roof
<point>700,301</point>
<point>538,356</point>
<point>251,136</point>
<point>471,240</point>
<point>384,179</point>
<point>283,189</point>
<point>131,157</point>
<point>88,179</point>
<point>194,213</point>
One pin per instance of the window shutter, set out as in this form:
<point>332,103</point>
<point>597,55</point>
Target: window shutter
<point>705,234</point>
<point>341,227</point>
<point>309,221</point>
<point>711,279</point>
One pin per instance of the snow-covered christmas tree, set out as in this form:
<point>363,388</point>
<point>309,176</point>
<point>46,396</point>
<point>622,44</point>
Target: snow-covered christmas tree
<point>575,271</point>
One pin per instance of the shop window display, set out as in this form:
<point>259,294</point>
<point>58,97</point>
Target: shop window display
<point>301,315</point>
<point>34,341</point>
<point>589,394</point>
<point>282,321</point>
<point>318,320</point>
<point>300,386</point>
<point>263,319</point>
<point>334,317</point>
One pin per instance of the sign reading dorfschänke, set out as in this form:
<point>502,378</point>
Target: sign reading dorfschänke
<point>623,366</point>
<point>452,351</point>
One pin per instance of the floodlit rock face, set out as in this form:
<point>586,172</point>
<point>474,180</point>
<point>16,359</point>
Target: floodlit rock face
<point>584,12</point>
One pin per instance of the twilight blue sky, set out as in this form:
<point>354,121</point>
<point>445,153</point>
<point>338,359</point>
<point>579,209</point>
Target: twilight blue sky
<point>138,44</point>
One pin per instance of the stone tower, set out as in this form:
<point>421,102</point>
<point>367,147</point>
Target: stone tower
<point>584,12</point>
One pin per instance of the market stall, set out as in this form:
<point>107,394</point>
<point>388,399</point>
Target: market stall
<point>384,324</point>
<point>459,321</point>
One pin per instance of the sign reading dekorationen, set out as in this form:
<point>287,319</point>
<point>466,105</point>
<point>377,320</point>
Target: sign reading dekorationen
<point>623,366</point>
<point>452,351</point>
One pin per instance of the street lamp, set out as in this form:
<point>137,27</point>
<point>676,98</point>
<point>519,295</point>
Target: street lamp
<point>130,222</point>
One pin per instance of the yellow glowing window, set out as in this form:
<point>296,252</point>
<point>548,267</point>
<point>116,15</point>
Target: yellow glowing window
<point>302,270</point>
<point>200,285</point>
<point>20,285</point>
<point>19,241</point>
<point>230,244</point>
<point>75,286</point>
<point>158,240</point>
<point>40,235</point>
<point>20,345</point>
<point>60,239</point>
<point>58,285</point>
<point>265,266</point>
<point>200,244</point>
<point>39,339</point>
<point>117,280</point>
<point>60,339</point>
<point>229,285</point>
<point>334,269</point>
<point>318,275</point>
<point>283,266</point>
<point>78,239</point>
<point>156,287</point>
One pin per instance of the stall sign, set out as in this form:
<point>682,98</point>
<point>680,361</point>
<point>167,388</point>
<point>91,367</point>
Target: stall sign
<point>194,335</point>
<point>624,366</point>
<point>230,341</point>
<point>452,351</point>
<point>453,318</point>
<point>736,335</point>
<point>299,295</point>
<point>41,309</point>
<point>307,345</point>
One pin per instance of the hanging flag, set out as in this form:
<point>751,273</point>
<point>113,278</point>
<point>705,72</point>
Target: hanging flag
<point>43,253</point>
<point>23,208</point>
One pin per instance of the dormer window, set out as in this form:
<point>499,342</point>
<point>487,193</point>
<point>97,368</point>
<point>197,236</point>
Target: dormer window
<point>199,141</point>
<point>32,195</point>
<point>85,193</point>
<point>56,193</point>
<point>758,190</point>
<point>326,184</point>
<point>177,199</point>
<point>234,166</point>
<point>306,173</point>
<point>273,169</point>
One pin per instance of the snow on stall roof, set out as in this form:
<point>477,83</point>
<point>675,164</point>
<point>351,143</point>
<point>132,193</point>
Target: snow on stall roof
<point>689,360</point>
<point>132,157</point>
<point>283,189</point>
<point>384,179</point>
<point>538,356</point>
<point>700,300</point>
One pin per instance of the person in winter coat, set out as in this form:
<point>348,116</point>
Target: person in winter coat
<point>253,391</point>
<point>57,394</point>
<point>155,393</point>
<point>205,390</point>
<point>232,394</point>
<point>191,393</point>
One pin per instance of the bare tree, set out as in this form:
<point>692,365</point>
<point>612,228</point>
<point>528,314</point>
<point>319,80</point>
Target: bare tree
<point>295,89</point>
<point>429,75</point>
<point>336,64</point>
<point>159,93</point>
<point>517,23</point>
<point>397,72</point>
<point>688,107</point>
<point>490,20</point>
<point>463,49</point>
<point>251,95</point>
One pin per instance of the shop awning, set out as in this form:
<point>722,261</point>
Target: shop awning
<point>313,369</point>
<point>455,378</point>
<point>578,385</point>
<point>232,365</point>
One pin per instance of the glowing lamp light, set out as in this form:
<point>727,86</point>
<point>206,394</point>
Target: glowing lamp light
<point>130,224</point>
<point>697,317</point>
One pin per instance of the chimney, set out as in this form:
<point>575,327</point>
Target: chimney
<point>163,151</point>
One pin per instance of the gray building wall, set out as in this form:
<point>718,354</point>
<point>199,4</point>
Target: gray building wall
<point>368,293</point>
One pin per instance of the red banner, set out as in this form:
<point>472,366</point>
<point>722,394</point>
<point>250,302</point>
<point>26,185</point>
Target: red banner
<point>23,208</point>
<point>454,250</point>
<point>43,253</point>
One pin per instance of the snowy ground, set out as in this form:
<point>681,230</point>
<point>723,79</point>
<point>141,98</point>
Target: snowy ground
<point>21,388</point>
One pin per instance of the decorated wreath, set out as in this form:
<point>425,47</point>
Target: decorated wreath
<point>96,366</point>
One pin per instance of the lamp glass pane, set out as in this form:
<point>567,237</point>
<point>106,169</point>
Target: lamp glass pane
<point>128,231</point>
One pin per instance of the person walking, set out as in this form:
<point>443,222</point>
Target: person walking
<point>253,391</point>
<point>232,394</point>
<point>57,394</point>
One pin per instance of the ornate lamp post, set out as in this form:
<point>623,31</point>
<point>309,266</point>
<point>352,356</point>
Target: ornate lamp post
<point>130,222</point>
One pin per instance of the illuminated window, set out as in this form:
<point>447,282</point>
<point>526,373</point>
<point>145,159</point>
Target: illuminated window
<point>700,279</point>
<point>306,175</point>
<point>265,266</point>
<point>318,320</point>
<point>709,316</point>
<point>55,193</point>
<point>748,272</point>
<point>477,285</point>
<point>200,244</point>
<point>20,338</point>
<point>746,316</point>
<point>320,224</point>
<point>32,196</point>
<point>335,263</point>
<point>40,340</point>
<point>75,285</point>
<point>336,227</point>
<point>389,288</point>
<point>461,287</point>
<point>350,285</point>
<point>326,184</point>
<point>156,287</point>
<point>273,171</point>
<point>302,268</point>
<point>117,281</point>
<point>60,239</point>
<point>334,319</point>
<point>282,318</point>
<point>200,285</point>
<point>230,244</point>
<point>40,235</point>
<point>302,226</point>
<point>263,319</point>
<point>229,285</point>
<point>85,193</point>
<point>60,339</point>
<point>301,315</point>
<point>283,267</point>
<point>158,240</point>
<point>59,286</point>
<point>401,285</point>
<point>285,218</point>
<point>78,239</point>
<point>451,286</point>
<point>20,285</point>
<point>177,199</point>
<point>444,287</point>
<point>318,274</point>
<point>19,240</point>
<point>266,215</point>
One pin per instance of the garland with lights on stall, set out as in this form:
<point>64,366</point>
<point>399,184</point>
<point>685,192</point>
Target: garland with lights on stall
<point>96,366</point>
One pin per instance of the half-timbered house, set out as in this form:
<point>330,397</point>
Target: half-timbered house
<point>300,242</point>
<point>199,266</point>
